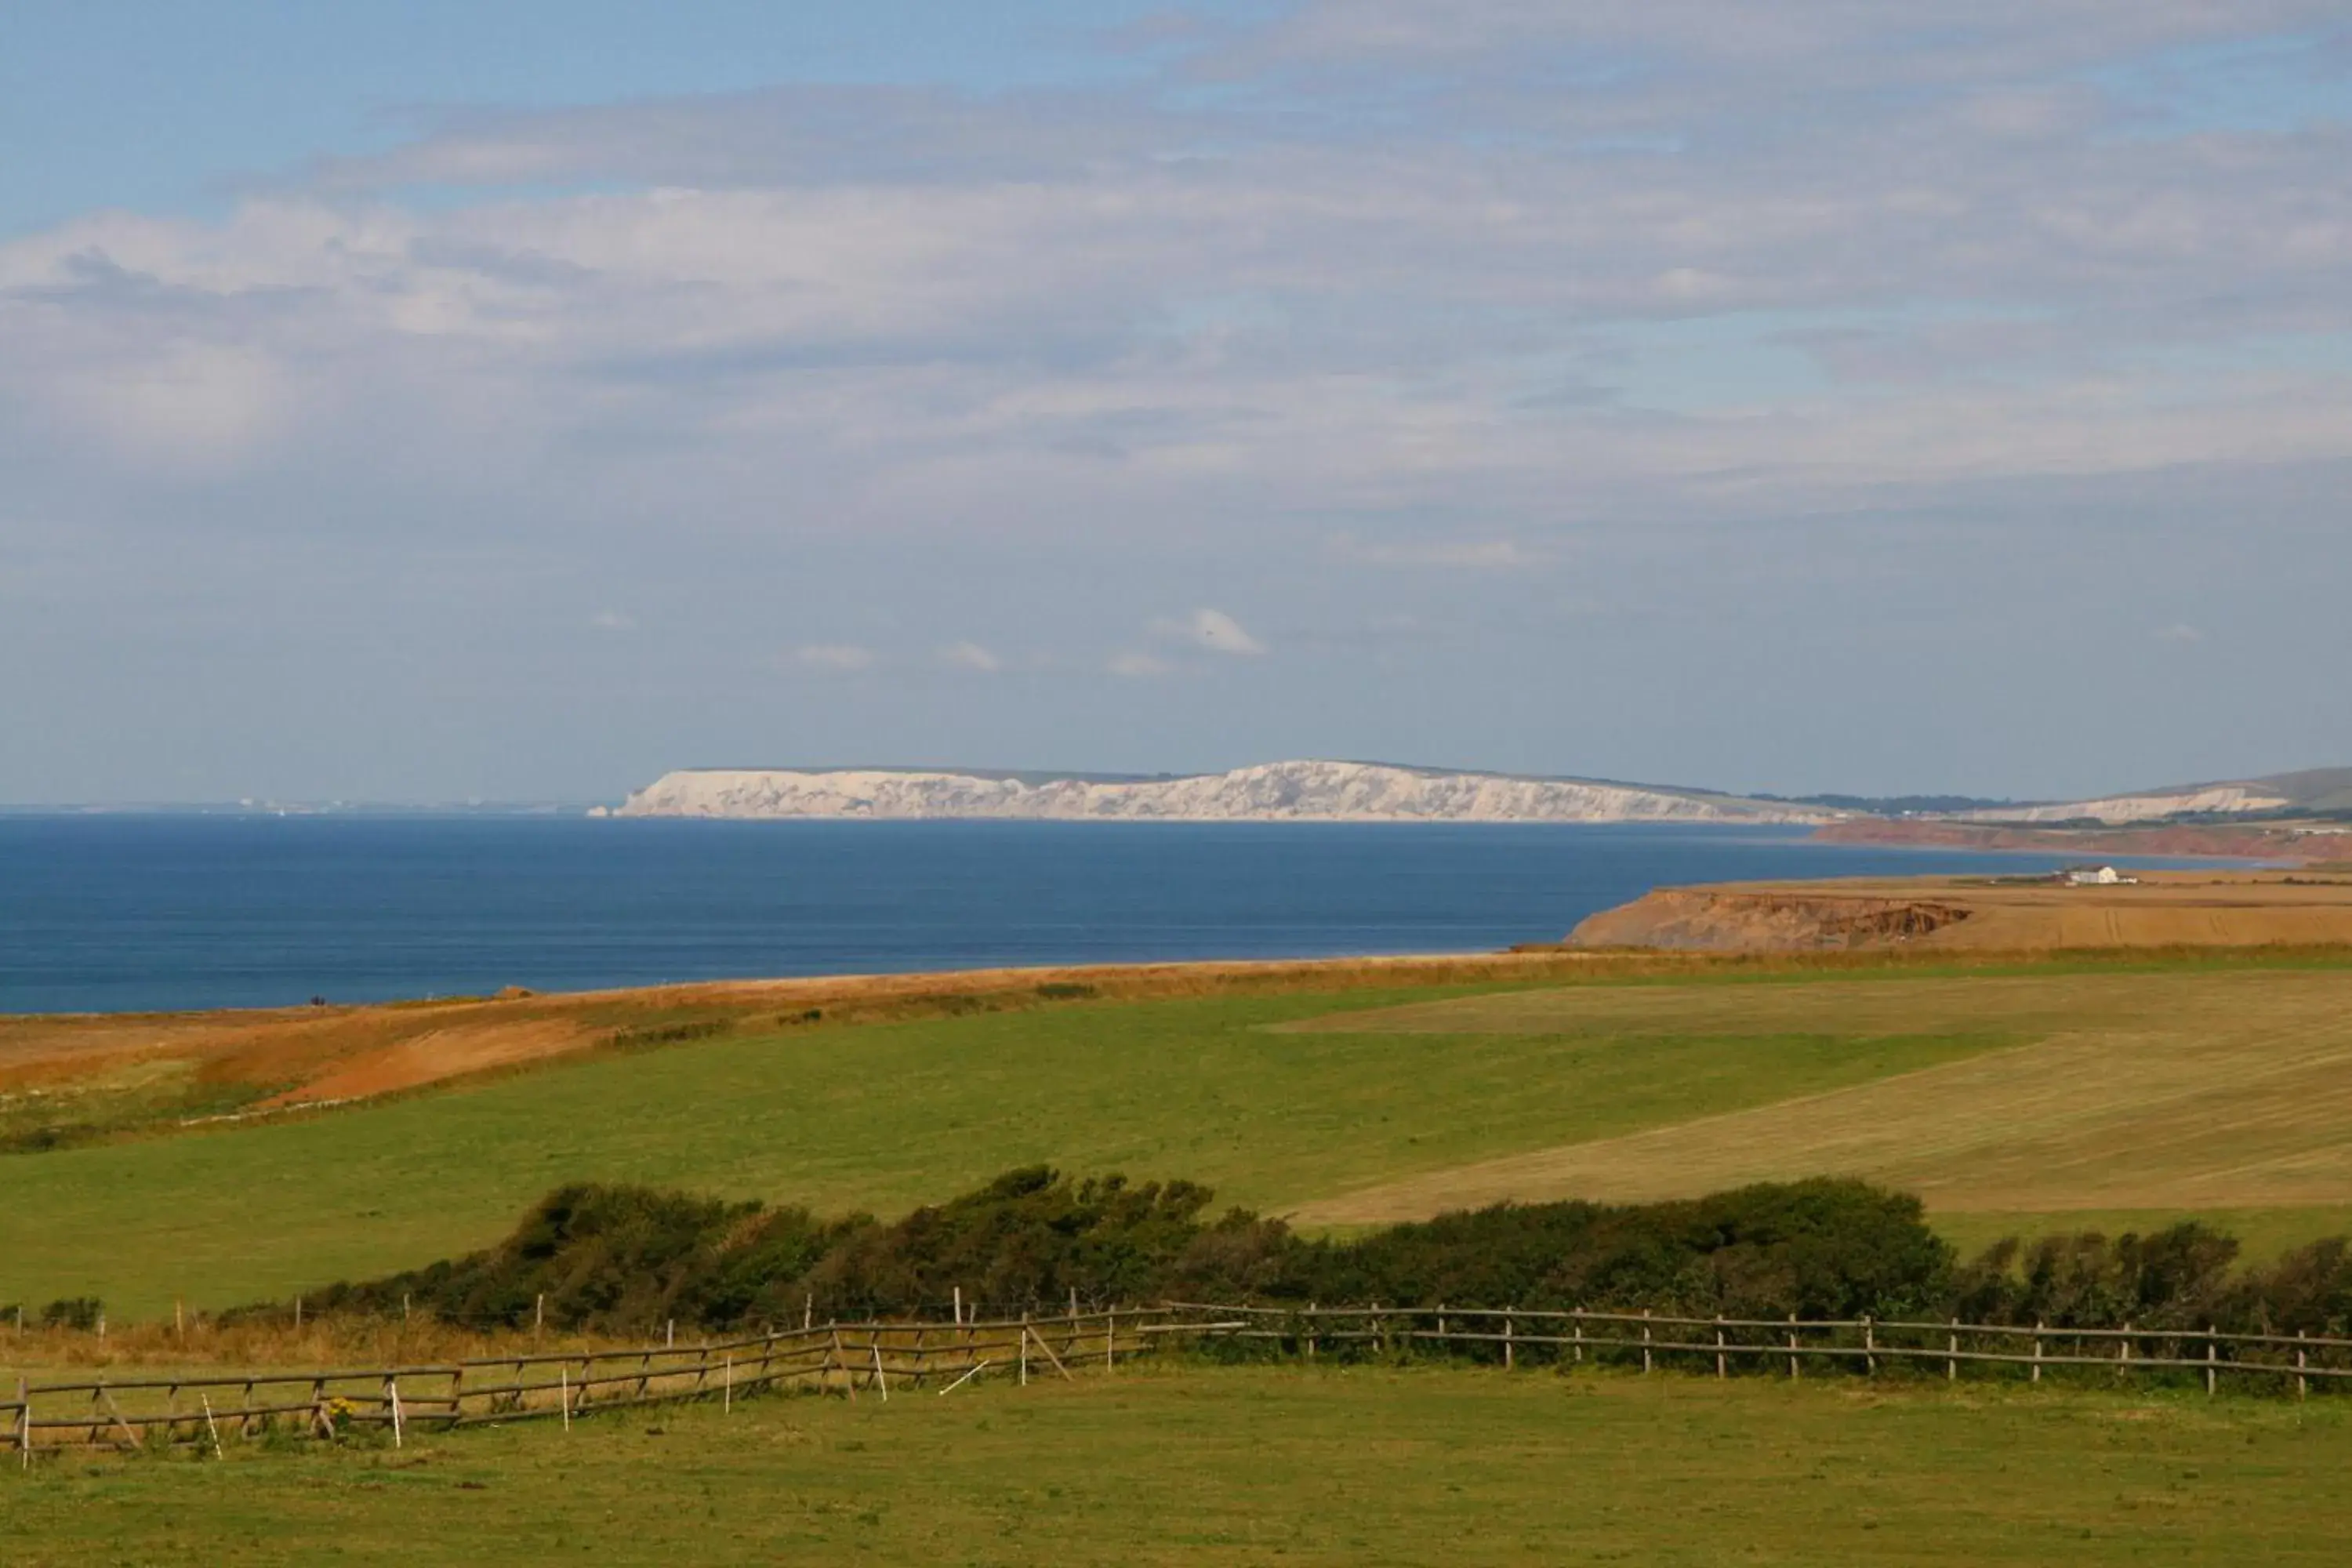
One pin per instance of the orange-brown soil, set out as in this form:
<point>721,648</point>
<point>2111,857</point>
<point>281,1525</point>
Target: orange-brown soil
<point>2164,909</point>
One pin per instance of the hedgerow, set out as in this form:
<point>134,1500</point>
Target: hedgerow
<point>619,1258</point>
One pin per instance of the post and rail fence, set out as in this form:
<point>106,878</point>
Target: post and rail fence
<point>877,1357</point>
<point>880,1358</point>
<point>2269,1362</point>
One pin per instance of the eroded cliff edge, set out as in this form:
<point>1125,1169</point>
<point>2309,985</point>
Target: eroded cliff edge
<point>1714,920</point>
<point>2161,909</point>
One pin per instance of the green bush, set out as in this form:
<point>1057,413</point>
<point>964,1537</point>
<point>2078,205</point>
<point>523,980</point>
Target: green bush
<point>624,1259</point>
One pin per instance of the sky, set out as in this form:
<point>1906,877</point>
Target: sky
<point>438,402</point>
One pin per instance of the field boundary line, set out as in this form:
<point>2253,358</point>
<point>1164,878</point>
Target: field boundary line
<point>2264,1363</point>
<point>137,1413</point>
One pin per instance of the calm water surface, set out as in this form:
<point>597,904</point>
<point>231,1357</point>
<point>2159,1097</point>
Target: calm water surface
<point>130,912</point>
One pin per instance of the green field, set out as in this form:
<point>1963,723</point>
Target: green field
<point>2188,1090</point>
<point>879,1116</point>
<point>1269,1465</point>
<point>2030,1093</point>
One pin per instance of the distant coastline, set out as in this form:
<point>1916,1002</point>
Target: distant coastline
<point>1303,791</point>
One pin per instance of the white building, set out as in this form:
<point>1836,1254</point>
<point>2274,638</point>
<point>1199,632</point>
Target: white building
<point>2095,876</point>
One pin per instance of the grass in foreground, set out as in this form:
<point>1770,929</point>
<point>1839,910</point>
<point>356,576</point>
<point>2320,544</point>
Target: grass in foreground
<point>1262,1464</point>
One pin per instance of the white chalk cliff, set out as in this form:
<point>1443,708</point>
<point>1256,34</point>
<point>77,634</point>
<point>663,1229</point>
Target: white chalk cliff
<point>1270,792</point>
<point>2210,799</point>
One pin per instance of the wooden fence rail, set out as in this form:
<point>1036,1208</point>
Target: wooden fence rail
<point>845,1358</point>
<point>2269,1361</point>
<point>880,1357</point>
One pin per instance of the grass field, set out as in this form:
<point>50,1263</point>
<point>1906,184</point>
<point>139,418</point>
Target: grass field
<point>882,1116</point>
<point>2212,1089</point>
<point>1262,1465</point>
<point>2040,1090</point>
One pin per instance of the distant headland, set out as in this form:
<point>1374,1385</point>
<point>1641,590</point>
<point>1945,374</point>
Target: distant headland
<point>1332,791</point>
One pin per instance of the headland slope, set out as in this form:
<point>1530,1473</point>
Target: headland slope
<point>1986,914</point>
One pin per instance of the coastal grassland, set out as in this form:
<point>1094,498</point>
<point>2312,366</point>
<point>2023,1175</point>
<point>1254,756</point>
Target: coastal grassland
<point>75,1079</point>
<point>881,1117</point>
<point>2010,1094</point>
<point>2201,1089</point>
<point>1269,1464</point>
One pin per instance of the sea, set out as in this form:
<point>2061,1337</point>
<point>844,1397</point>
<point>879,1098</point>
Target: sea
<point>125,911</point>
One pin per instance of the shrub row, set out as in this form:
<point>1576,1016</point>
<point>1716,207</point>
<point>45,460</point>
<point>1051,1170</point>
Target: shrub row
<point>617,1258</point>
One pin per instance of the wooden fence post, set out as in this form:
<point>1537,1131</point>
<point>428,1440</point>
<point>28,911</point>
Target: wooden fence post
<point>1310,1330</point>
<point>2213,1359</point>
<point>2123,1356</point>
<point>2037,1351</point>
<point>1722,1367</point>
<point>1952,1354</point>
<point>1869,1347</point>
<point>1508,1363</point>
<point>2302,1384</point>
<point>24,1420</point>
<point>1792,1347</point>
<point>1024,1350</point>
<point>1646,1340</point>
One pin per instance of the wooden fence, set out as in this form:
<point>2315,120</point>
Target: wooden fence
<point>2265,1362</point>
<point>209,1410</point>
<point>880,1358</point>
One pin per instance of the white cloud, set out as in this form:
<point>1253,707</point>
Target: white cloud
<point>1211,629</point>
<point>1137,665</point>
<point>971,655</point>
<point>613,621</point>
<point>843,658</point>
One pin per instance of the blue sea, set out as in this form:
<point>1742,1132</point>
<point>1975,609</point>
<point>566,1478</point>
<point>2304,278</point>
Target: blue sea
<point>133,912</point>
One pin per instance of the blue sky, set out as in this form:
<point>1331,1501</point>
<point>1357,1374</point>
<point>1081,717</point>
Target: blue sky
<point>517,400</point>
